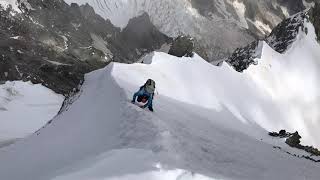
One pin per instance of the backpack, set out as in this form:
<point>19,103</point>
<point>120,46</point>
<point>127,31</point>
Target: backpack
<point>150,86</point>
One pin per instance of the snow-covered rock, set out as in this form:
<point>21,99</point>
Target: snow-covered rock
<point>281,39</point>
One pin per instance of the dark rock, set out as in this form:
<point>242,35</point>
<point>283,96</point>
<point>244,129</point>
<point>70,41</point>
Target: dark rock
<point>273,134</point>
<point>313,151</point>
<point>200,50</point>
<point>282,132</point>
<point>310,158</point>
<point>242,58</point>
<point>294,140</point>
<point>315,18</point>
<point>277,147</point>
<point>182,46</point>
<point>55,44</point>
<point>140,33</point>
<point>283,35</point>
<point>280,39</point>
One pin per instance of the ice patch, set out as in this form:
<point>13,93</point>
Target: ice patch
<point>264,28</point>
<point>241,9</point>
<point>285,11</point>
<point>16,37</point>
<point>58,63</point>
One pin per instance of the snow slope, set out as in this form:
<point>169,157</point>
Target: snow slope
<point>291,80</point>
<point>209,123</point>
<point>25,107</point>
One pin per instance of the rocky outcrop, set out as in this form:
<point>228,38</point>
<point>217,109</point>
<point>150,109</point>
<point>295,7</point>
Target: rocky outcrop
<point>283,35</point>
<point>280,39</point>
<point>242,58</point>
<point>142,35</point>
<point>55,44</point>
<point>182,46</point>
<point>293,140</point>
<point>315,18</point>
<point>186,46</point>
<point>281,134</point>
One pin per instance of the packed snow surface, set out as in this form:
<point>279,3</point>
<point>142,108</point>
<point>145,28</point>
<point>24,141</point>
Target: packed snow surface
<point>291,82</point>
<point>209,123</point>
<point>25,107</point>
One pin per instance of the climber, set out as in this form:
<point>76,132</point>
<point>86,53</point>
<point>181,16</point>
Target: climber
<point>145,94</point>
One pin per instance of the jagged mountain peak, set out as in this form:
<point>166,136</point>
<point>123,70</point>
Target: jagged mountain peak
<point>280,39</point>
<point>59,43</point>
<point>237,22</point>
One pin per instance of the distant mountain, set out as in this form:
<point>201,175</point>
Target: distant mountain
<point>220,26</point>
<point>280,39</point>
<point>53,43</point>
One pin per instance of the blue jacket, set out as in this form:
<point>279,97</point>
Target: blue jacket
<point>143,92</point>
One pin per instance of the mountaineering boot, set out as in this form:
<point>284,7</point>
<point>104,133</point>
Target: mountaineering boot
<point>151,109</point>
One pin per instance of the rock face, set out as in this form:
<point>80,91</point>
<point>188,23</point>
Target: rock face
<point>286,32</point>
<point>182,46</point>
<point>269,12</point>
<point>142,35</point>
<point>220,26</point>
<point>242,58</point>
<point>315,18</point>
<point>281,37</point>
<point>294,140</point>
<point>53,43</point>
